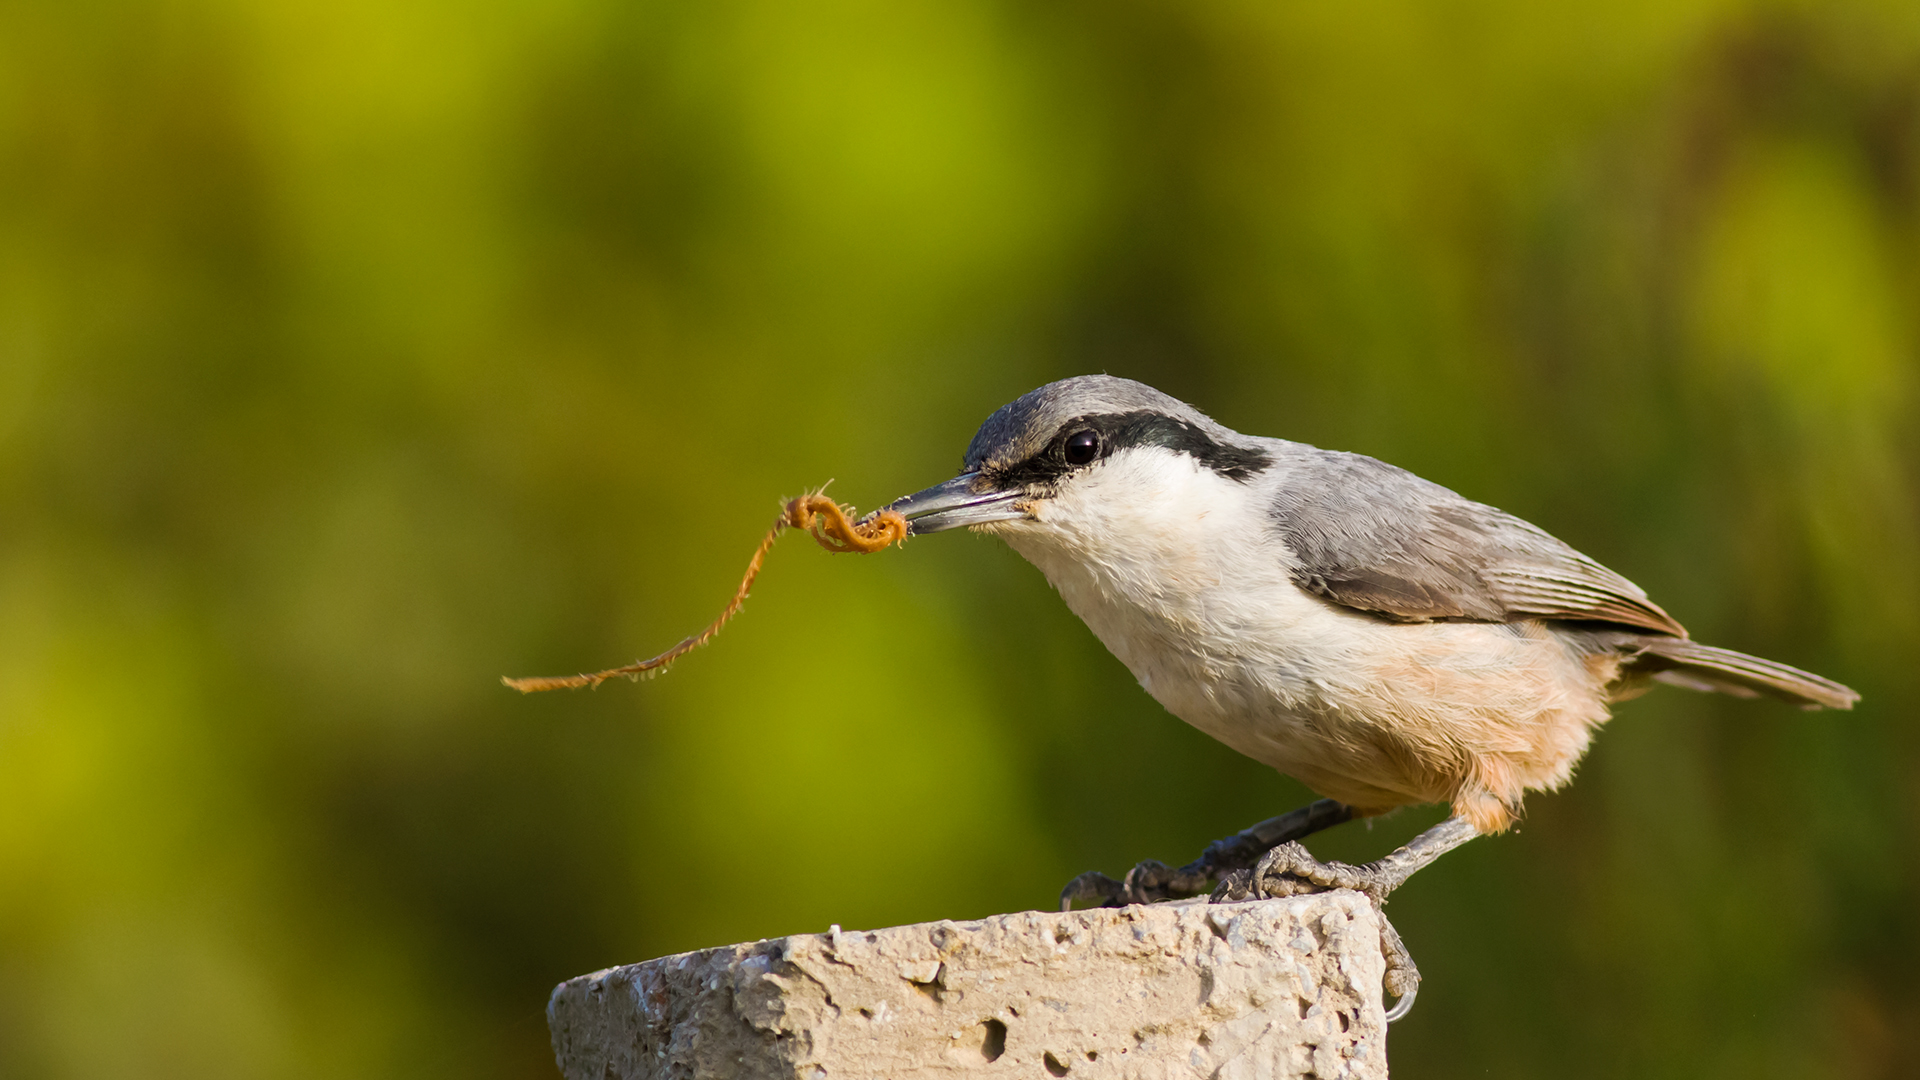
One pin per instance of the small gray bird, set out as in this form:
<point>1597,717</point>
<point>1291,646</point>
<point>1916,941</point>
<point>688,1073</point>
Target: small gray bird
<point>1375,635</point>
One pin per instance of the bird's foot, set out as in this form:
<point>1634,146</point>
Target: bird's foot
<point>1153,881</point>
<point>1147,883</point>
<point>1289,870</point>
<point>1266,861</point>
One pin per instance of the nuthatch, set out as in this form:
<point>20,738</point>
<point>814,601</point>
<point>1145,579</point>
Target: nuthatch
<point>1375,635</point>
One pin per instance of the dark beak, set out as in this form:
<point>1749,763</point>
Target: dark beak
<point>967,499</point>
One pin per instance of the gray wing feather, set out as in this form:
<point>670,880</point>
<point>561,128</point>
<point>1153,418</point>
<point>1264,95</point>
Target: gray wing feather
<point>1371,536</point>
<point>1703,667</point>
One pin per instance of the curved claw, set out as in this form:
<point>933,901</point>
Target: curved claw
<point>1402,977</point>
<point>1288,870</point>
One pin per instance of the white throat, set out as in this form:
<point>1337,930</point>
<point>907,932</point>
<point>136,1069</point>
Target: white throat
<point>1174,567</point>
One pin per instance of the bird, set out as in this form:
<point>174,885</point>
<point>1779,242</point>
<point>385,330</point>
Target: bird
<point>1375,635</point>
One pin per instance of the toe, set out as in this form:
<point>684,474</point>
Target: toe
<point>1092,885</point>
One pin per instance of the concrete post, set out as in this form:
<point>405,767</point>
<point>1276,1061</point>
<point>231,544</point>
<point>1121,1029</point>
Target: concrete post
<point>1263,989</point>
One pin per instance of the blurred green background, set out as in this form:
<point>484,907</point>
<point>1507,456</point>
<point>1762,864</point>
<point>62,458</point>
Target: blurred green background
<point>355,354</point>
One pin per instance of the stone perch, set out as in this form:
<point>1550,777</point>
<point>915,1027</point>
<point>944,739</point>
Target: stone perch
<point>1264,989</point>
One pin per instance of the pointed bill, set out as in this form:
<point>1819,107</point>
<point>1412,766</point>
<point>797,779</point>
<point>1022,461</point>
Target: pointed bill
<point>967,499</point>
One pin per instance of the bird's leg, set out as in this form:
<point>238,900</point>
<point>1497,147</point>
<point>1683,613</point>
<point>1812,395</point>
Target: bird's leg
<point>1288,870</point>
<point>1153,880</point>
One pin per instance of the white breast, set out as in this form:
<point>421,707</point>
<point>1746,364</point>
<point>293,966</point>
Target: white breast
<point>1180,573</point>
<point>1176,571</point>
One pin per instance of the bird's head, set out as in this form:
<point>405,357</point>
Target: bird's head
<point>1089,441</point>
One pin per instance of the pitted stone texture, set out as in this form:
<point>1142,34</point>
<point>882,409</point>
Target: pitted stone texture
<point>1267,989</point>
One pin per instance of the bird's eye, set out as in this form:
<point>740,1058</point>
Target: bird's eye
<point>1082,447</point>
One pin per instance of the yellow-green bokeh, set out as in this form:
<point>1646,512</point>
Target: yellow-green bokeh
<point>355,354</point>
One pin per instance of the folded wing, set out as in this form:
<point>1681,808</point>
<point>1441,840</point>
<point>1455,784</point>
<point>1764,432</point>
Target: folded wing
<point>1377,538</point>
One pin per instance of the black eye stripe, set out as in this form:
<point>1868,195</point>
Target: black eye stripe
<point>1119,431</point>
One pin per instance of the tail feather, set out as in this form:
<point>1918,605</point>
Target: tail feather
<point>1703,667</point>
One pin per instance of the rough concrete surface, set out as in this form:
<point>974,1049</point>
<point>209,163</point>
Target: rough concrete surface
<point>1264,989</point>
